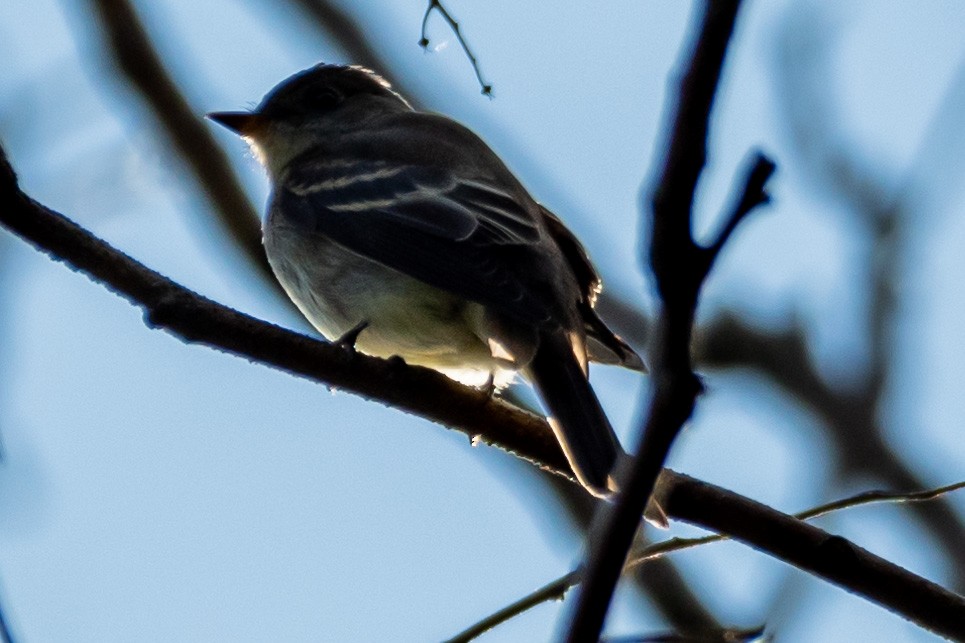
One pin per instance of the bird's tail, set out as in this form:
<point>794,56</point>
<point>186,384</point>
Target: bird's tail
<point>578,420</point>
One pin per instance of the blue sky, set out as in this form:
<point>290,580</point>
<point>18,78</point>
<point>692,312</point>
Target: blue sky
<point>156,491</point>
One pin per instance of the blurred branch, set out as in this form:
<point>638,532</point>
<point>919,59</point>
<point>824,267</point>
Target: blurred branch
<point>433,396</point>
<point>884,207</point>
<point>5,635</point>
<point>679,267</point>
<point>831,557</point>
<point>135,56</point>
<point>342,28</point>
<point>556,589</point>
<point>785,359</point>
<point>436,5</point>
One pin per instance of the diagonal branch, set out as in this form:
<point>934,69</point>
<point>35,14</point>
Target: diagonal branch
<point>196,319</point>
<point>827,556</point>
<point>135,56</point>
<point>433,396</point>
<point>752,196</point>
<point>556,590</point>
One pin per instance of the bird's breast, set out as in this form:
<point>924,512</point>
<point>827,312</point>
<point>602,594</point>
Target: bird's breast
<point>336,289</point>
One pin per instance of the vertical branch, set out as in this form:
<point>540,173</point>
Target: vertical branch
<point>679,266</point>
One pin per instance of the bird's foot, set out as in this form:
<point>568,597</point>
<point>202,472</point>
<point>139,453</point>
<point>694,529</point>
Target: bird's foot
<point>351,336</point>
<point>490,385</point>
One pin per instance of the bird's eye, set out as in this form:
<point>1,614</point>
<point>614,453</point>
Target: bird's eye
<point>323,98</point>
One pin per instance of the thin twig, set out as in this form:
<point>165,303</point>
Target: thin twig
<point>556,589</point>
<point>719,635</point>
<point>553,591</point>
<point>433,396</point>
<point>827,556</point>
<point>751,196</point>
<point>487,89</point>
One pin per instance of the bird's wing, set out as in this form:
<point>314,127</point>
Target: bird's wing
<point>466,236</point>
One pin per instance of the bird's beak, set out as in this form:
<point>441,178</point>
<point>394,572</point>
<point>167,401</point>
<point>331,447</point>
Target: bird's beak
<point>244,123</point>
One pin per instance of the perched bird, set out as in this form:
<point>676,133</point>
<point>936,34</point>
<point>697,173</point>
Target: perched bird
<point>401,231</point>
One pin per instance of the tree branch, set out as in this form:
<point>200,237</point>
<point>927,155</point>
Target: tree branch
<point>486,88</point>
<point>679,266</point>
<point>556,589</point>
<point>831,557</point>
<point>135,56</point>
<point>196,319</point>
<point>431,395</point>
<point>849,419</point>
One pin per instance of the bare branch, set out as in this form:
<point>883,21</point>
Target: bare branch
<point>752,196</point>
<point>556,589</point>
<point>136,57</point>
<point>433,396</point>
<point>719,635</point>
<point>553,591</point>
<point>196,319</point>
<point>487,89</point>
<point>850,421</point>
<point>831,557</point>
<point>679,266</point>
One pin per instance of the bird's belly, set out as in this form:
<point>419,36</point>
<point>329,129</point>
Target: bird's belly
<point>337,289</point>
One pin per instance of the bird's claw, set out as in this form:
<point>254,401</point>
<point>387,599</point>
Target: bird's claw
<point>490,385</point>
<point>351,336</point>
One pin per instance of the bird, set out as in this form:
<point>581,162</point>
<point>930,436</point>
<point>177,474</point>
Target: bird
<point>401,233</point>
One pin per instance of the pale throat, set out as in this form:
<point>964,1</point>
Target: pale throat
<point>275,149</point>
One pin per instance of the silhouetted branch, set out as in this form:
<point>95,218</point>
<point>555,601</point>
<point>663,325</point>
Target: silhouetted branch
<point>752,196</point>
<point>665,587</point>
<point>431,395</point>
<point>831,557</point>
<point>679,266</point>
<point>721,635</point>
<point>196,319</point>
<point>556,589</point>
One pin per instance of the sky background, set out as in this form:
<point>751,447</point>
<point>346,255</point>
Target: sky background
<point>155,491</point>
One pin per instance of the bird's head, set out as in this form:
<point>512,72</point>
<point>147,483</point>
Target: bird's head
<point>305,109</point>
